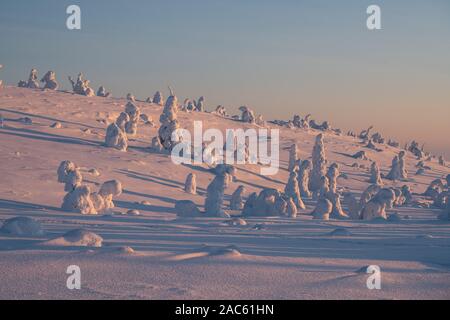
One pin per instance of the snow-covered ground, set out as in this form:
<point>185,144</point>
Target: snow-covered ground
<point>173,258</point>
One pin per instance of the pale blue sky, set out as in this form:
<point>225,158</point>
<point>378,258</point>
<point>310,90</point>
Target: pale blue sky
<point>278,57</point>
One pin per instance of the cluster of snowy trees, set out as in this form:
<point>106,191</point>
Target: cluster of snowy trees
<point>314,180</point>
<point>79,197</point>
<point>49,81</point>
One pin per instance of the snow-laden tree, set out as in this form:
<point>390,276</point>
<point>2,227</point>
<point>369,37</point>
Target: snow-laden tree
<point>169,122</point>
<point>49,81</point>
<point>215,195</point>
<point>319,164</point>
<point>353,206</point>
<point>81,86</point>
<point>158,98</point>
<point>291,208</point>
<point>291,190</point>
<point>32,82</point>
<point>293,157</point>
<point>190,185</point>
<point>134,114</point>
<point>303,178</point>
<point>376,207</point>
<point>332,175</point>
<point>398,170</point>
<point>79,200</point>
<point>101,92</point>
<point>249,204</point>
<point>247,115</point>
<point>131,97</point>
<point>116,137</point>
<point>375,176</point>
<point>69,174</point>
<point>237,202</point>
<point>323,209</point>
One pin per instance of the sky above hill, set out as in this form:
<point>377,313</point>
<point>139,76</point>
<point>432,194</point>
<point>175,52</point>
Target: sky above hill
<point>278,57</point>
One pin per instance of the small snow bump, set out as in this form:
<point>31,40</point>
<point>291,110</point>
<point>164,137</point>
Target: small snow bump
<point>119,250</point>
<point>94,172</point>
<point>362,269</point>
<point>133,212</point>
<point>236,222</point>
<point>340,232</point>
<point>259,226</point>
<point>78,238</point>
<point>56,125</point>
<point>424,236</point>
<point>26,120</point>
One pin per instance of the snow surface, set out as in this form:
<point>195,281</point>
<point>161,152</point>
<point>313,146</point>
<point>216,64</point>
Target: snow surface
<point>197,258</point>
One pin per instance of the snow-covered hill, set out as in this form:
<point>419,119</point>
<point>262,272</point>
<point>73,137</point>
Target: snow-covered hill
<point>198,258</point>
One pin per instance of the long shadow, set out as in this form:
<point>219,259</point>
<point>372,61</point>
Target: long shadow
<point>258,186</point>
<point>168,181</point>
<point>135,176</point>
<point>21,206</point>
<point>49,134</point>
<point>197,168</point>
<point>143,149</point>
<point>13,244</point>
<point>58,139</point>
<point>132,205</point>
<point>161,198</point>
<point>362,175</point>
<point>159,180</point>
<point>261,176</point>
<point>345,154</point>
<point>49,118</point>
<point>38,211</point>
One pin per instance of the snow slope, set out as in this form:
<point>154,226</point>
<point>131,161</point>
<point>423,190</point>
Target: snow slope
<point>172,258</point>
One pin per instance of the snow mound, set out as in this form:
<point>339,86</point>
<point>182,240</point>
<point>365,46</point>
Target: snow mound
<point>124,250</point>
<point>56,125</point>
<point>236,222</point>
<point>133,212</point>
<point>259,226</point>
<point>205,251</point>
<point>94,172</point>
<point>77,238</point>
<point>340,232</point>
<point>230,251</point>
<point>22,226</point>
<point>424,236</point>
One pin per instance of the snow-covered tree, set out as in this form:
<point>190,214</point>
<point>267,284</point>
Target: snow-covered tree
<point>319,164</point>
